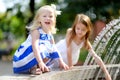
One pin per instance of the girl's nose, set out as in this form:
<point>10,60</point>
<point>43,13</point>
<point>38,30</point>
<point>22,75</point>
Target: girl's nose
<point>80,31</point>
<point>48,17</point>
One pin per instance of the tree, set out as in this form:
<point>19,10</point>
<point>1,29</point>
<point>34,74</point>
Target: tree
<point>96,10</point>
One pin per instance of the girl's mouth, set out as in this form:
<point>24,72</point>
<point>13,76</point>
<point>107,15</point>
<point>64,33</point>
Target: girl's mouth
<point>47,23</point>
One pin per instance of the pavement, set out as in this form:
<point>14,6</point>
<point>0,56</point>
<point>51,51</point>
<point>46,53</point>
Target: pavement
<point>76,73</point>
<point>6,73</point>
<point>5,67</point>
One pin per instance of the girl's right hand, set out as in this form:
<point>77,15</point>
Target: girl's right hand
<point>43,67</point>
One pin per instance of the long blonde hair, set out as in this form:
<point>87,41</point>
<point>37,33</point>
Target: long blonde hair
<point>84,19</point>
<point>36,23</point>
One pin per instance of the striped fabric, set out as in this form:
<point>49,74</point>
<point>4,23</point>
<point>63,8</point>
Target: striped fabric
<point>24,58</point>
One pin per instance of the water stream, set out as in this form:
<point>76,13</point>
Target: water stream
<point>107,46</point>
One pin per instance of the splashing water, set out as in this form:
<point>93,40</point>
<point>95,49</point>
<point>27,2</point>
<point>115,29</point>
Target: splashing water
<point>107,46</point>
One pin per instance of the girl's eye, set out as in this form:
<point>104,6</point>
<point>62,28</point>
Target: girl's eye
<point>51,16</point>
<point>83,29</point>
<point>44,16</point>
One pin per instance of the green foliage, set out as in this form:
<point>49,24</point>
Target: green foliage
<point>96,10</point>
<point>17,26</point>
<point>1,34</point>
<point>83,54</point>
<point>105,10</point>
<point>15,19</point>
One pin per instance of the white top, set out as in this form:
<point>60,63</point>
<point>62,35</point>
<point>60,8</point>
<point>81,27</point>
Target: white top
<point>62,48</point>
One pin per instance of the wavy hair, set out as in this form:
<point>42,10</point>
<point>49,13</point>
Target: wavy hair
<point>84,19</point>
<point>36,23</point>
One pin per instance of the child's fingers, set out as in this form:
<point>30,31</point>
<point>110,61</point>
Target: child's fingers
<point>66,67</point>
<point>46,69</point>
<point>42,69</point>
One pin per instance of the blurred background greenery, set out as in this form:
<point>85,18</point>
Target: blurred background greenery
<point>16,14</point>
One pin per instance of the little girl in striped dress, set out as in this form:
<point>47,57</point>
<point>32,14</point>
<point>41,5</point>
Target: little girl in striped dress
<point>37,53</point>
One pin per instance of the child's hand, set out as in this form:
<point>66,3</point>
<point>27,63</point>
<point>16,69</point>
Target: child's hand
<point>43,67</point>
<point>64,66</point>
<point>70,67</point>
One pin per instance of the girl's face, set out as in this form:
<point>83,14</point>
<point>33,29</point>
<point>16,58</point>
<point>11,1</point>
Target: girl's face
<point>80,30</point>
<point>47,20</point>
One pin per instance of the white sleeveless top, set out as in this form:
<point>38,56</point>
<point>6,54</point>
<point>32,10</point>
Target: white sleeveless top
<point>62,49</point>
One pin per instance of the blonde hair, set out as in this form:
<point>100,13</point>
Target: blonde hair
<point>36,23</point>
<point>84,19</point>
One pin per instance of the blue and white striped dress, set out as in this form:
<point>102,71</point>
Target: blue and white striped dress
<point>24,58</point>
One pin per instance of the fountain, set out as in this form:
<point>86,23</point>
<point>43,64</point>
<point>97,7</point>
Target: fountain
<point>107,46</point>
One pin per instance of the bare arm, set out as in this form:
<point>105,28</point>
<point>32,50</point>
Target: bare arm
<point>99,62</point>
<point>35,40</point>
<point>69,56</point>
<point>69,50</point>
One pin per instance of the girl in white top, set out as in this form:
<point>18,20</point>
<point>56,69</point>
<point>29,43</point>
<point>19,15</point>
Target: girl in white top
<point>37,53</point>
<point>77,37</point>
